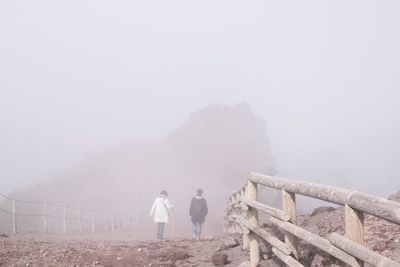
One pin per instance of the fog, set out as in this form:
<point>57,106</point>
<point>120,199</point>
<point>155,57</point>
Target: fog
<point>80,78</point>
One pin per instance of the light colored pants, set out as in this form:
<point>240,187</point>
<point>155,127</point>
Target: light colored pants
<point>196,229</point>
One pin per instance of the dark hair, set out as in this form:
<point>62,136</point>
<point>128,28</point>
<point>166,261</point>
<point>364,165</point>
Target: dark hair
<point>163,192</point>
<point>199,191</point>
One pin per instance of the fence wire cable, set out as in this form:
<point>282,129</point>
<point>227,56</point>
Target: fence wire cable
<point>49,203</point>
<point>82,209</point>
<point>6,211</point>
<point>6,196</point>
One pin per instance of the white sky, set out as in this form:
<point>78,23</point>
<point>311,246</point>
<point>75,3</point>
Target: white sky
<point>78,77</point>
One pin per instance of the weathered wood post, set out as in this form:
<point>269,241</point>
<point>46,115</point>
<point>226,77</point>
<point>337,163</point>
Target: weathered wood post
<point>251,192</point>
<point>65,220</point>
<point>80,220</point>
<point>45,217</point>
<point>118,220</point>
<point>93,213</point>
<point>289,206</point>
<point>14,212</point>
<point>354,223</point>
<point>246,244</point>
<point>237,212</point>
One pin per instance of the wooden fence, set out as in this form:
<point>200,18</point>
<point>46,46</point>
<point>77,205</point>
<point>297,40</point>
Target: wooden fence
<point>241,216</point>
<point>66,215</point>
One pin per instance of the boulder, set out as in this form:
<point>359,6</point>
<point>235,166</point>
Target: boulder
<point>219,259</point>
<point>395,197</point>
<point>320,210</point>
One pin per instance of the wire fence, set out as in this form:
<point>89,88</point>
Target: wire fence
<point>58,217</point>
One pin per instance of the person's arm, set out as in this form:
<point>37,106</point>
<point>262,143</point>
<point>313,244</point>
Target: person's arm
<point>205,207</point>
<point>153,208</point>
<point>191,208</point>
<point>168,205</point>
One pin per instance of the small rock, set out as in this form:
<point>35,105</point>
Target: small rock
<point>221,248</point>
<point>230,242</point>
<point>139,249</point>
<point>271,263</point>
<point>119,259</point>
<point>320,210</point>
<point>320,261</point>
<point>219,259</point>
<point>96,263</point>
<point>179,255</point>
<point>209,238</point>
<point>245,264</point>
<point>380,246</point>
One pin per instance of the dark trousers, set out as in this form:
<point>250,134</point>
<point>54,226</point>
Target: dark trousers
<point>160,230</point>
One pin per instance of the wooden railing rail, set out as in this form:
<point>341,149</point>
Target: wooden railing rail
<point>241,216</point>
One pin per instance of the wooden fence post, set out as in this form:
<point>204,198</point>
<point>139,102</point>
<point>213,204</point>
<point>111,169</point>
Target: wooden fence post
<point>246,216</point>
<point>93,213</point>
<point>289,206</point>
<point>354,222</point>
<point>251,192</point>
<point>14,211</point>
<point>237,212</point>
<point>232,212</point>
<point>45,217</point>
<point>80,220</point>
<point>65,220</point>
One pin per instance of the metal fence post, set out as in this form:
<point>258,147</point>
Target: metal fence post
<point>65,220</point>
<point>14,212</point>
<point>80,220</point>
<point>93,214</point>
<point>112,222</point>
<point>45,217</point>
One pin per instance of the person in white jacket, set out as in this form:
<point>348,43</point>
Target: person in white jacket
<point>160,210</point>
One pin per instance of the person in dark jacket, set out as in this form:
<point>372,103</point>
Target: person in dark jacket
<point>198,211</point>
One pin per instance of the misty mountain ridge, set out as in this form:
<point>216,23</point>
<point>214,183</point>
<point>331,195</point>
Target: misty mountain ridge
<point>214,149</point>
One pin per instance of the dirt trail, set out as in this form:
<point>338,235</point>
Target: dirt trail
<point>59,250</point>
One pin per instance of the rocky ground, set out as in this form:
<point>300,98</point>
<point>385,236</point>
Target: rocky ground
<point>121,249</point>
<point>57,250</point>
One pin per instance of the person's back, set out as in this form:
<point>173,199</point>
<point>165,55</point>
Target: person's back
<point>198,211</point>
<point>160,210</point>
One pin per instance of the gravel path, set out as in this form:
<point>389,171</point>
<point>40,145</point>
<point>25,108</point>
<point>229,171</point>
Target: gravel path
<point>58,250</point>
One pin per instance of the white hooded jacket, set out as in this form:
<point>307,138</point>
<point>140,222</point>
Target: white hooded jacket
<point>160,209</point>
